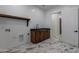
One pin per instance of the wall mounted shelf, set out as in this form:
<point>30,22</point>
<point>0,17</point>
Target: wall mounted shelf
<point>15,17</point>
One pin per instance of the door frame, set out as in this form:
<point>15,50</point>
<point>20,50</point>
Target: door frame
<point>60,35</point>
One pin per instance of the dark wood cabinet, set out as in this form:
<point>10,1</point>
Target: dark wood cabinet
<point>38,35</point>
<point>33,36</point>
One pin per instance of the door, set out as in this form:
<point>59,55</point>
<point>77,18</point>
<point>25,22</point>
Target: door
<point>10,29</point>
<point>70,25</point>
<point>7,39</point>
<point>55,25</point>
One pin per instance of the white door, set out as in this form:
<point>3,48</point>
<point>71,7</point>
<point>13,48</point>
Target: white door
<point>7,40</point>
<point>70,25</point>
<point>11,39</point>
<point>55,25</point>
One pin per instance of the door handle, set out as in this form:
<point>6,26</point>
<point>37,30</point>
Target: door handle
<point>76,31</point>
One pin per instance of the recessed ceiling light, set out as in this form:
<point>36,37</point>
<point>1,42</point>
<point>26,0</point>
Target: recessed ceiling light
<point>33,10</point>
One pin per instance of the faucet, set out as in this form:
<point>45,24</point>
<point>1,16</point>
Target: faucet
<point>37,26</point>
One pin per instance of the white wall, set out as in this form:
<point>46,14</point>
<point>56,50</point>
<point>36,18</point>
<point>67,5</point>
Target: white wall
<point>11,39</point>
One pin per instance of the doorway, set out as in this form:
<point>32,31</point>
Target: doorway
<point>56,26</point>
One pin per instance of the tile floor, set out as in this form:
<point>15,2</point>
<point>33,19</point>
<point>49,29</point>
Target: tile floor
<point>47,46</point>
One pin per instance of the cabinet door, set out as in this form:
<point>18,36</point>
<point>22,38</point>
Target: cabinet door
<point>33,37</point>
<point>46,34</point>
<point>37,36</point>
<point>41,36</point>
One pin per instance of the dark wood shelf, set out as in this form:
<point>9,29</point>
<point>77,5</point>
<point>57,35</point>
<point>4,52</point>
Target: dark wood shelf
<point>15,17</point>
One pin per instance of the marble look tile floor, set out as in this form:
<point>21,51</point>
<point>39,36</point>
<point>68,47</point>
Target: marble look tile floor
<point>47,46</point>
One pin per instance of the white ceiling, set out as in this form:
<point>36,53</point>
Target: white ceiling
<point>47,7</point>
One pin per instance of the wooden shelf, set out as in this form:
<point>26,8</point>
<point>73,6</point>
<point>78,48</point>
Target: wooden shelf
<point>15,17</point>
